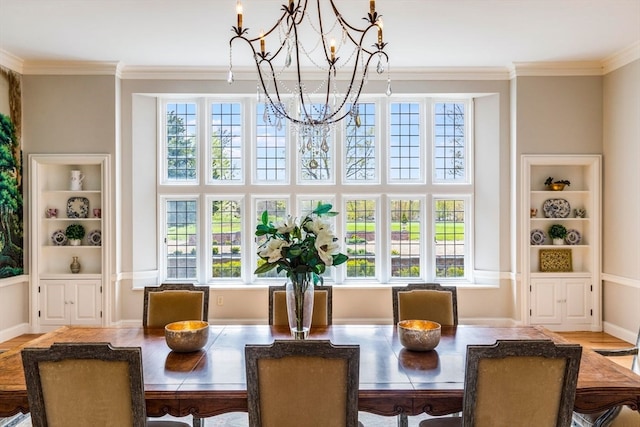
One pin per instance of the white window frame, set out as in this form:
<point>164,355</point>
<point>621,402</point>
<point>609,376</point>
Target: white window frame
<point>249,191</point>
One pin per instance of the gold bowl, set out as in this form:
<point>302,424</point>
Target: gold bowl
<point>187,335</point>
<point>556,186</point>
<point>419,335</point>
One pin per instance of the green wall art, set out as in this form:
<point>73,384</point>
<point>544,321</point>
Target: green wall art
<point>11,215</point>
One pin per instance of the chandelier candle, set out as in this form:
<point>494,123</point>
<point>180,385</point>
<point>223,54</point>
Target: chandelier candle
<point>239,12</point>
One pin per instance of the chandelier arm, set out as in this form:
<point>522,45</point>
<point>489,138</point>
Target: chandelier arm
<point>294,13</point>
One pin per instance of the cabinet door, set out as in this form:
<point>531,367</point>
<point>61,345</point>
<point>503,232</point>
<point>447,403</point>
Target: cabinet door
<point>53,302</point>
<point>577,297</point>
<point>85,302</point>
<point>546,301</point>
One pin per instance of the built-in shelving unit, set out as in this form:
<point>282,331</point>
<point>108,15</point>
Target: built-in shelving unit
<point>59,296</point>
<point>562,288</point>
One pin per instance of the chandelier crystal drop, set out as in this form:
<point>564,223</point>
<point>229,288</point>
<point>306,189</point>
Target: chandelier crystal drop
<point>292,54</point>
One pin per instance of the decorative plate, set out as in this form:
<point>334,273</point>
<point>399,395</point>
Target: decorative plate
<point>95,238</point>
<point>58,238</point>
<point>538,237</point>
<point>573,237</point>
<point>78,207</point>
<point>556,208</point>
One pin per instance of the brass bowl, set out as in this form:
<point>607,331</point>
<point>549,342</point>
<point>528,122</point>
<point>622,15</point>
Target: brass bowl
<point>556,186</point>
<point>419,335</point>
<point>186,336</point>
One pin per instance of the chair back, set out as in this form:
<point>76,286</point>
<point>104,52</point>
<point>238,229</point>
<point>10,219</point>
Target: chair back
<point>528,383</point>
<point>322,306</point>
<point>425,301</point>
<point>310,383</point>
<point>84,384</point>
<point>174,302</point>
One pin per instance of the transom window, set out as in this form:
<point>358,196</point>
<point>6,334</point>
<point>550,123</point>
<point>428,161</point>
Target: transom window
<point>397,171</point>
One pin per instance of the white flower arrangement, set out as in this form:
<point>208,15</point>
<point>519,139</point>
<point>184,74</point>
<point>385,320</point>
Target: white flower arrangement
<point>308,247</point>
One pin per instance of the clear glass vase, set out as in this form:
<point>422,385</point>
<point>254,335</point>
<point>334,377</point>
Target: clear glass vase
<point>299,291</point>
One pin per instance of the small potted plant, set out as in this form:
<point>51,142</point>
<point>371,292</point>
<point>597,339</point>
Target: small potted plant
<point>75,233</point>
<point>556,185</point>
<point>557,232</point>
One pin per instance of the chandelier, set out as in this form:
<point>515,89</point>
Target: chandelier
<point>308,36</point>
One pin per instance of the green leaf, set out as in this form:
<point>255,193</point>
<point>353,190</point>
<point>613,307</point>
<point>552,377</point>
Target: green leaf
<point>265,217</point>
<point>322,209</point>
<point>262,229</point>
<point>339,259</point>
<point>264,268</point>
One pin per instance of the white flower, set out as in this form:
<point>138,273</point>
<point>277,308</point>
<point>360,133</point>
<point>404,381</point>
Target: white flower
<point>317,226</point>
<point>326,246</point>
<point>272,249</point>
<point>286,226</point>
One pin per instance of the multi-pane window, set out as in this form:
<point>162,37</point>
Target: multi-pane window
<point>449,141</point>
<point>226,238</point>
<point>181,231</point>
<point>271,147</point>
<point>405,141</point>
<point>403,190</point>
<point>226,142</point>
<point>181,141</point>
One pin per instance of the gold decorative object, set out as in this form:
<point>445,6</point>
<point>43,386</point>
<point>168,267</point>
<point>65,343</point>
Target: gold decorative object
<point>556,186</point>
<point>186,336</point>
<point>419,335</point>
<point>555,260</point>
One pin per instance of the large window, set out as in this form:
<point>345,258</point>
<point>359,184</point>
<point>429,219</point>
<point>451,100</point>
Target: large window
<point>398,171</point>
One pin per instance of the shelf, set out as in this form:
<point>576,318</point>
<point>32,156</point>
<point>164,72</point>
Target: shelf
<point>557,246</point>
<point>70,276</point>
<point>571,274</point>
<point>565,299</point>
<point>53,283</point>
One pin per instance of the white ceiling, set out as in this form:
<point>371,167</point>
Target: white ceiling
<point>420,33</point>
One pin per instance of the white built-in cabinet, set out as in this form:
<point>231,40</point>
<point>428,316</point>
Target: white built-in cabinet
<point>59,296</point>
<point>569,299</point>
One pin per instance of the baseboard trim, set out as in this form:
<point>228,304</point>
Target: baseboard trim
<point>620,332</point>
<point>15,331</point>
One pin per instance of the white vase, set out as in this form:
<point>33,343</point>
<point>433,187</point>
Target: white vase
<point>75,242</point>
<point>299,290</point>
<point>558,241</point>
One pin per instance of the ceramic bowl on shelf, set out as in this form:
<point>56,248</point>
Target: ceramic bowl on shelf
<point>187,335</point>
<point>419,335</point>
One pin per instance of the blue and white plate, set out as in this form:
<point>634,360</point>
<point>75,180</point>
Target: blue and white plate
<point>78,207</point>
<point>573,237</point>
<point>556,208</point>
<point>58,238</point>
<point>95,238</point>
<point>538,237</point>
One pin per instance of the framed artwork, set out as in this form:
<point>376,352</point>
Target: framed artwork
<point>555,260</point>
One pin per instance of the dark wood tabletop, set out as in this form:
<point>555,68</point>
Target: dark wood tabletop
<point>392,379</point>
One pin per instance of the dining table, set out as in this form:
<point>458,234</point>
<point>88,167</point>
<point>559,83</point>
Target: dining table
<point>393,380</point>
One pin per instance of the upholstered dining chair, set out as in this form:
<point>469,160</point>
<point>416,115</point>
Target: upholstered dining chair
<point>618,416</point>
<point>322,305</point>
<point>87,384</point>
<point>311,383</point>
<point>173,302</point>
<point>524,383</point>
<point>425,301</point>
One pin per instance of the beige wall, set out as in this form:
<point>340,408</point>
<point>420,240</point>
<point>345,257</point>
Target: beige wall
<point>548,114</point>
<point>621,190</point>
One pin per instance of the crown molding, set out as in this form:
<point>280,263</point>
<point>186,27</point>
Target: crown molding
<point>621,58</point>
<point>11,61</point>
<point>248,73</point>
<point>73,68</point>
<point>541,69</point>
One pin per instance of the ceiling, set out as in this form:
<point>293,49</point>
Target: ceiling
<point>420,33</point>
